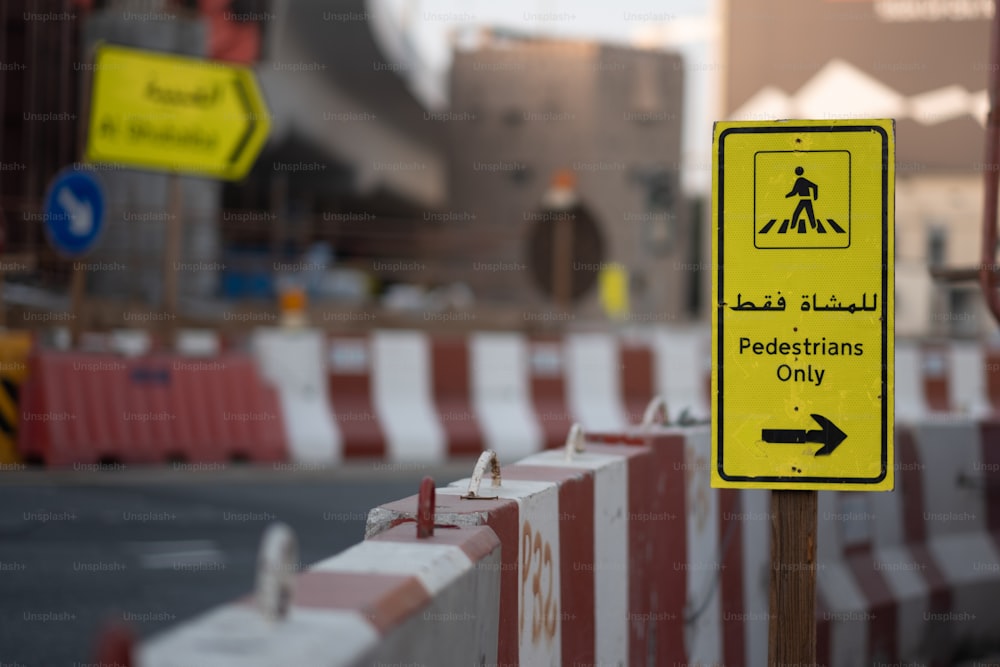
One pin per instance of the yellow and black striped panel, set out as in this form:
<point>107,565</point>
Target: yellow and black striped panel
<point>14,349</point>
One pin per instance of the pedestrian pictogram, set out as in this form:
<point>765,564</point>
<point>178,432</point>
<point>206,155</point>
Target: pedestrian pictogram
<point>802,394</point>
<point>788,210</point>
<point>807,192</point>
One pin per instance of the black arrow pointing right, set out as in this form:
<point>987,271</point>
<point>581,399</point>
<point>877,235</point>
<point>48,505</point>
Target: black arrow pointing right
<point>829,435</point>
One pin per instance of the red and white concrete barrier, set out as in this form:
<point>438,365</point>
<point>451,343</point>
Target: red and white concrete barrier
<point>408,396</point>
<point>291,360</point>
<point>911,575</point>
<point>616,554</point>
<point>593,548</point>
<point>502,397</point>
<point>683,370</point>
<point>946,378</point>
<point>907,577</point>
<point>622,553</point>
<point>383,601</point>
<point>412,397</point>
<point>80,407</point>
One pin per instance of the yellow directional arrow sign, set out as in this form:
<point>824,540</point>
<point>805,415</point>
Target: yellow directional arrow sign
<point>172,113</point>
<point>802,328</point>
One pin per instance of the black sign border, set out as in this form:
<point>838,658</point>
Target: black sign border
<point>720,319</point>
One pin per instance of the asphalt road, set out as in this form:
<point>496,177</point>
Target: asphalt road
<point>155,547</point>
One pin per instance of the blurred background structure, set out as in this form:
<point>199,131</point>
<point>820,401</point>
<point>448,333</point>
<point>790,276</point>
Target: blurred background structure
<point>532,176</point>
<point>385,187</point>
<point>417,152</point>
<point>924,64</point>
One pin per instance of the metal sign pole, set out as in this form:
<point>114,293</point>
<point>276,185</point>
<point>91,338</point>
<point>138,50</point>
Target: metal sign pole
<point>171,256</point>
<point>78,290</point>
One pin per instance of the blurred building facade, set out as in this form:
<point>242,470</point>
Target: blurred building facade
<point>48,48</point>
<point>47,56</point>
<point>343,120</point>
<point>924,63</point>
<point>535,120</point>
<point>549,182</point>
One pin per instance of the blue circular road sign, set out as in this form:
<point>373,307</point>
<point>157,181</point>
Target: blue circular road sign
<point>74,211</point>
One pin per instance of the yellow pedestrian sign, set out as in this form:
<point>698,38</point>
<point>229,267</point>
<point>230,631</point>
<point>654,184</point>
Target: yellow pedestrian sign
<point>802,328</point>
<point>172,113</point>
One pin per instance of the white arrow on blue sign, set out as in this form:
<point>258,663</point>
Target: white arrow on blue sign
<point>74,212</point>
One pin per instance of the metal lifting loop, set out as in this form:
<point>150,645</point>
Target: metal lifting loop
<point>655,414</point>
<point>574,441</point>
<point>487,458</point>
<point>277,563</point>
<point>425,508</point>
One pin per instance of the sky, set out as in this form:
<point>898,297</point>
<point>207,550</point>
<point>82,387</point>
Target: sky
<point>685,26</point>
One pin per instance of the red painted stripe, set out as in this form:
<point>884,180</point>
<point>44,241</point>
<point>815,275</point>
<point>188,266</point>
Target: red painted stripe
<point>195,399</point>
<point>547,366</point>
<point>152,409</point>
<point>883,640</point>
<point>989,475</point>
<point>275,428</point>
<point>453,395</point>
<point>657,547</point>
<point>936,370</point>
<point>151,400</point>
<point>477,542</point>
<point>824,642</point>
<point>67,443</point>
<point>914,527</point>
<point>576,573</point>
<point>993,377</point>
<point>503,516</point>
<point>576,535</point>
<point>268,434</point>
<point>190,391</point>
<point>229,401</point>
<point>91,421</point>
<point>386,600</point>
<point>733,606</point>
<point>217,413</point>
<point>199,421</point>
<point>350,390</point>
<point>912,486</point>
<point>190,432</point>
<point>224,431</point>
<point>158,402</point>
<point>636,379</point>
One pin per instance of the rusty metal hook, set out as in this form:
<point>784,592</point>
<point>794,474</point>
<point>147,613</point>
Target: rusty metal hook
<point>655,414</point>
<point>574,441</point>
<point>425,508</point>
<point>487,458</point>
<point>277,562</point>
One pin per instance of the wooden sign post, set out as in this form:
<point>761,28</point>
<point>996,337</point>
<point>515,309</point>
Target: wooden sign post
<point>791,636</point>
